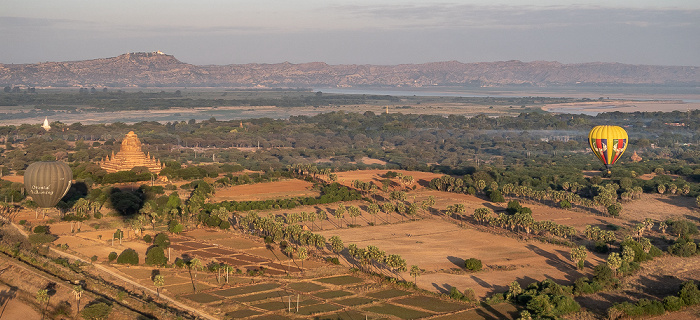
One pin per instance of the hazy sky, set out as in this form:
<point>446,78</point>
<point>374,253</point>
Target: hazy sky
<point>665,32</point>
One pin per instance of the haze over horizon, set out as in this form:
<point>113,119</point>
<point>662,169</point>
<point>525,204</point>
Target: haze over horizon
<point>385,32</point>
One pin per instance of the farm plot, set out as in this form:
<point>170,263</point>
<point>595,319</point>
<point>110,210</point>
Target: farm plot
<point>266,191</point>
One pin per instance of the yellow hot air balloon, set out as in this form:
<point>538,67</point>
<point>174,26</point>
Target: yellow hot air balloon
<point>608,143</point>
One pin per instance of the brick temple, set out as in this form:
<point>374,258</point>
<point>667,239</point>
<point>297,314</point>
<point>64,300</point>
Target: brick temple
<point>129,156</point>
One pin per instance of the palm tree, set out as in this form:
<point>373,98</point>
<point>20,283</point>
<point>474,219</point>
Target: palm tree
<point>42,296</point>
<point>289,251</point>
<point>158,281</point>
<point>303,254</point>
<point>339,213</point>
<point>415,272</point>
<point>78,293</point>
<point>194,264</point>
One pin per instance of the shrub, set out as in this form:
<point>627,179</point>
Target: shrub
<point>472,264</point>
<point>683,248</point>
<point>689,293</point>
<point>128,256</point>
<point>333,260</point>
<point>112,256</point>
<point>41,229</point>
<point>147,238</point>
<point>673,303</point>
<point>601,247</point>
<point>455,294</point>
<point>224,225</point>
<point>97,215</point>
<point>175,227</point>
<point>496,196</point>
<point>155,256</point>
<point>565,204</point>
<point>162,240</point>
<point>603,274</point>
<point>22,222</point>
<point>41,238</point>
<point>93,258</point>
<point>96,311</point>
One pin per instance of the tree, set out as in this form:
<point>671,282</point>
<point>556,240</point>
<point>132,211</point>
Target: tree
<point>627,254</point>
<point>155,256</point>
<point>578,256</point>
<point>415,272</point>
<point>128,256</point>
<point>162,240</point>
<point>97,311</point>
<point>473,264</point>
<point>336,245</point>
<point>195,265</point>
<point>614,262</point>
<point>42,296</point>
<point>303,254</point>
<point>78,293</point>
<point>482,215</point>
<point>339,213</point>
<point>158,281</point>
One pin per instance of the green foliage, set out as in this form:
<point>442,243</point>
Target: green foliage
<point>162,240</point>
<point>496,196</point>
<point>643,307</point>
<point>689,293</point>
<point>175,227</point>
<point>147,238</point>
<point>683,247</point>
<point>41,229</point>
<point>682,228</point>
<point>128,256</point>
<point>473,264</point>
<point>97,311</point>
<point>112,256</point>
<point>614,209</point>
<point>547,299</point>
<point>673,303</point>
<point>155,256</point>
<point>41,238</point>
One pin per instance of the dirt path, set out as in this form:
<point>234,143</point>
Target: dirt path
<point>117,275</point>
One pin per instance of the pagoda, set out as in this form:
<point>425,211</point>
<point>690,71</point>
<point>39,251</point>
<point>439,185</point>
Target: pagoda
<point>130,156</point>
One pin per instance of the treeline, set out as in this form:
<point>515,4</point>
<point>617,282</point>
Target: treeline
<point>333,192</point>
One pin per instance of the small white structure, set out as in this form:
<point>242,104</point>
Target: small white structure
<point>46,125</point>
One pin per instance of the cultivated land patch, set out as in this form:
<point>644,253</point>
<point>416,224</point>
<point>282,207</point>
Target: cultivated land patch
<point>340,280</point>
<point>422,179</point>
<point>440,247</point>
<point>398,311</point>
<point>266,191</point>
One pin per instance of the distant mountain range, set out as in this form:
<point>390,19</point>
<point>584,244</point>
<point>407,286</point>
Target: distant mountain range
<point>153,69</point>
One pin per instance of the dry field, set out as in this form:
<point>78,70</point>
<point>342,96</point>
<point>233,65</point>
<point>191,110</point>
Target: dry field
<point>266,191</point>
<point>422,179</point>
<point>622,106</point>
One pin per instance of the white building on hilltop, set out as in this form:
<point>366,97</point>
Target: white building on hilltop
<point>46,125</point>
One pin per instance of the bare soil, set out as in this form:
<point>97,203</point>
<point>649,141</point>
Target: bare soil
<point>266,191</point>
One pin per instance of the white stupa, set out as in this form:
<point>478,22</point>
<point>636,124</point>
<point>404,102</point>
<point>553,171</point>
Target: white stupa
<point>46,125</point>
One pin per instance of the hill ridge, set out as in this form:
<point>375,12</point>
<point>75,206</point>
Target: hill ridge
<point>160,69</point>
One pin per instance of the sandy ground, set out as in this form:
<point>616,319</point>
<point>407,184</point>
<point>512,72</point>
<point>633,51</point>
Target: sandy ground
<point>266,191</point>
<point>12,308</point>
<point>439,247</point>
<point>422,179</point>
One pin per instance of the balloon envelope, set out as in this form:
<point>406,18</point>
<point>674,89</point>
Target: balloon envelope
<point>47,182</point>
<point>608,143</point>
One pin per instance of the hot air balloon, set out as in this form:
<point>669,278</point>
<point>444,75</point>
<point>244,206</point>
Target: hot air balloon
<point>608,143</point>
<point>47,182</point>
